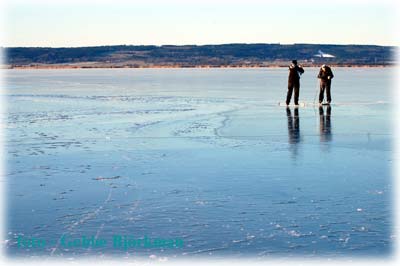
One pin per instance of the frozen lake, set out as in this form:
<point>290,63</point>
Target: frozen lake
<point>205,156</point>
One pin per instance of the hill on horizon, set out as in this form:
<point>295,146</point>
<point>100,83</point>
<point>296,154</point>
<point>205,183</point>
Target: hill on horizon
<point>200,55</point>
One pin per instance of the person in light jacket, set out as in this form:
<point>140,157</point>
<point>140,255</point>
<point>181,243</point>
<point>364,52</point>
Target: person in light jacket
<point>325,76</point>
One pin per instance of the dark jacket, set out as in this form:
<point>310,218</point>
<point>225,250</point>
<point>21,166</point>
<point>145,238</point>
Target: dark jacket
<point>294,73</point>
<point>325,74</point>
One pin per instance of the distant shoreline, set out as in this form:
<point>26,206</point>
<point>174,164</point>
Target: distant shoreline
<point>55,67</point>
<point>199,56</point>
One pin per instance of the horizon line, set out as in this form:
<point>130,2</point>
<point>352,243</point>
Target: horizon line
<point>215,44</point>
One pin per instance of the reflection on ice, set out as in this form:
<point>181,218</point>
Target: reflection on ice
<point>293,129</point>
<point>325,127</point>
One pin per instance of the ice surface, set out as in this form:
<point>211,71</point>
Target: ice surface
<point>205,155</point>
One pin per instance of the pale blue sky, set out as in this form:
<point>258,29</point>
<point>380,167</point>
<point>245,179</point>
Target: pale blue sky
<point>91,23</point>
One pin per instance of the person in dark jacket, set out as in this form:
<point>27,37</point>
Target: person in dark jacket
<point>294,82</point>
<point>325,75</point>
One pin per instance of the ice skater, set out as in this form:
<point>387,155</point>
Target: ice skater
<point>295,72</point>
<point>325,75</point>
